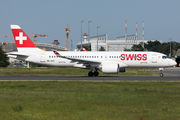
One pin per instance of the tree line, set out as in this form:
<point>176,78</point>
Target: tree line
<point>156,46</point>
<point>4,60</point>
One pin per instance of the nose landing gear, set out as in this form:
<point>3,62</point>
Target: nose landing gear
<point>161,74</point>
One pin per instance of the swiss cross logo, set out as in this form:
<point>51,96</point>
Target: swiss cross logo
<point>21,37</point>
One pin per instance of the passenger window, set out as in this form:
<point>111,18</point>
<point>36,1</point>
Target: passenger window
<point>109,56</point>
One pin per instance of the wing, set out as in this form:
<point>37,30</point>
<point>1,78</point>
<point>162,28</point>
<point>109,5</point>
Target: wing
<point>75,59</point>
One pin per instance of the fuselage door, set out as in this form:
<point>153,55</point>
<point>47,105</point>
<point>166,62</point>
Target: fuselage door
<point>42,59</point>
<point>154,58</point>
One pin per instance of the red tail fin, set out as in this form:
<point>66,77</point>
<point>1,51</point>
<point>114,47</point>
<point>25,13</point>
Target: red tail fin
<point>21,39</point>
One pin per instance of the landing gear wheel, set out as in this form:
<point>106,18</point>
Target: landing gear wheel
<point>90,74</point>
<point>96,73</point>
<point>161,74</point>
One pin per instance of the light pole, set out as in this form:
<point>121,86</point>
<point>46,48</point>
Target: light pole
<point>170,46</point>
<point>97,36</point>
<point>71,45</point>
<point>89,30</point>
<point>81,33</point>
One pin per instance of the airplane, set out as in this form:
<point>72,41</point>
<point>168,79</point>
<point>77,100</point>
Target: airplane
<point>106,62</point>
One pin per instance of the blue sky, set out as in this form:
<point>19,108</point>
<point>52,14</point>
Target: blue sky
<point>161,18</point>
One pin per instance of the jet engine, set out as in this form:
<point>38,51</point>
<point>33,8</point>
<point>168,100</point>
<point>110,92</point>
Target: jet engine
<point>110,68</point>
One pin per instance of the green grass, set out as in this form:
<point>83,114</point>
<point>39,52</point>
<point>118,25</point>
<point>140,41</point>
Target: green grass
<point>61,100</point>
<point>71,72</point>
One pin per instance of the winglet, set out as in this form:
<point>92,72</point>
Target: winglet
<point>56,53</point>
<point>84,49</point>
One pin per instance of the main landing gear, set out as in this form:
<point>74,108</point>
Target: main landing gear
<point>161,74</point>
<point>91,73</point>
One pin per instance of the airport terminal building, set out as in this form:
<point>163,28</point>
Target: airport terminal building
<point>119,44</point>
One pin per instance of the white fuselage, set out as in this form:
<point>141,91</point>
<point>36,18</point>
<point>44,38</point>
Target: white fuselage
<point>125,59</point>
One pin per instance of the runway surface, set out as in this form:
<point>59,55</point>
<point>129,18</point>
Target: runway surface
<point>175,76</point>
<point>86,78</point>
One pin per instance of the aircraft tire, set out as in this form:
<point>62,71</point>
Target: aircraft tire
<point>161,74</point>
<point>96,73</point>
<point>90,74</point>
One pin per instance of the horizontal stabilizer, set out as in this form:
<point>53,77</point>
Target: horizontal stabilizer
<point>17,54</point>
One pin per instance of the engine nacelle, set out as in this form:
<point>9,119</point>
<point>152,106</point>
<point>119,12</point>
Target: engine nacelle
<point>122,69</point>
<point>110,68</point>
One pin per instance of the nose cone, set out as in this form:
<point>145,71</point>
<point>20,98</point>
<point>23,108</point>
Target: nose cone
<point>173,63</point>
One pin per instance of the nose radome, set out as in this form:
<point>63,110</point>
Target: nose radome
<point>173,62</point>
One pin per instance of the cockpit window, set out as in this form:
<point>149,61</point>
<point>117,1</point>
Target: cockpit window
<point>163,57</point>
<point>166,57</point>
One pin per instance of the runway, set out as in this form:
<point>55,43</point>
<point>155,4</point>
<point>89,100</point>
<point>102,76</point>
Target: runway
<point>86,78</point>
<point>175,76</point>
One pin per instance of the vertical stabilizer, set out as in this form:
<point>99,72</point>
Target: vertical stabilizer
<point>23,42</point>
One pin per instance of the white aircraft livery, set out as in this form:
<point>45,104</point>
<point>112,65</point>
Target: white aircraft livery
<point>107,62</point>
